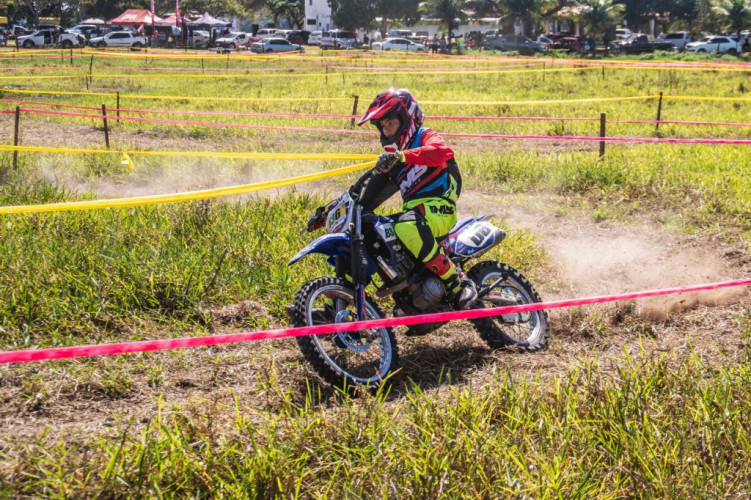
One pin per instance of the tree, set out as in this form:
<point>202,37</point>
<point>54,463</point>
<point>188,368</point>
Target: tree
<point>292,10</point>
<point>353,14</point>
<point>526,10</point>
<point>398,11</point>
<point>449,12</point>
<point>734,13</point>
<point>599,14</point>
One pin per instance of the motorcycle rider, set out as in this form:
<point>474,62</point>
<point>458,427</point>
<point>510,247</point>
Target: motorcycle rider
<point>418,163</point>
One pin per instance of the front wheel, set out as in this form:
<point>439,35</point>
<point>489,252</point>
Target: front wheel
<point>348,359</point>
<point>67,44</point>
<point>28,44</point>
<point>527,331</point>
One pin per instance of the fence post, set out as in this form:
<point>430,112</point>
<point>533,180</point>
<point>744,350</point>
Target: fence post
<point>659,113</point>
<point>71,57</point>
<point>602,134</point>
<point>327,74</point>
<point>203,69</point>
<point>603,71</point>
<point>91,63</point>
<point>354,111</point>
<point>106,130</point>
<point>118,104</point>
<point>15,138</point>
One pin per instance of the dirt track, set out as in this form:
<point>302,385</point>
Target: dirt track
<point>586,258</point>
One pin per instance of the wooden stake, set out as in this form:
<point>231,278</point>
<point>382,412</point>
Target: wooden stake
<point>602,134</point>
<point>659,113</point>
<point>15,138</point>
<point>354,111</point>
<point>106,130</point>
<point>118,104</point>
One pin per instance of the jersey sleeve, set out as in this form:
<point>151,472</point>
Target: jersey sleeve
<point>433,152</point>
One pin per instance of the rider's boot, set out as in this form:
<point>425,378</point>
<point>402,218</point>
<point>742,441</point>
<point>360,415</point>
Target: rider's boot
<point>461,290</point>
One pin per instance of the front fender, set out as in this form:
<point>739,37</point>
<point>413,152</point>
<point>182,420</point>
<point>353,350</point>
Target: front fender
<point>329,244</point>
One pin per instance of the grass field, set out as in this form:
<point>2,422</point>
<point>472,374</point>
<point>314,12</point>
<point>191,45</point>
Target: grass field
<point>646,398</point>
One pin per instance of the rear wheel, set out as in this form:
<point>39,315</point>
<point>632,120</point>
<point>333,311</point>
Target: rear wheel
<point>701,50</point>
<point>28,44</point>
<point>268,51</point>
<point>732,52</point>
<point>527,331</point>
<point>137,45</point>
<point>348,359</point>
<point>67,44</point>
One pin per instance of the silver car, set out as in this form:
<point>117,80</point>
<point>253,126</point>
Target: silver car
<point>268,45</point>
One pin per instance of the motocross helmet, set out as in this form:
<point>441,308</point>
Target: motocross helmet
<point>401,104</point>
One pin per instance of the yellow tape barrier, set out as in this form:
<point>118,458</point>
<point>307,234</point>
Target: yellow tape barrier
<point>179,197</point>
<point>295,75</point>
<point>203,154</point>
<point>177,98</point>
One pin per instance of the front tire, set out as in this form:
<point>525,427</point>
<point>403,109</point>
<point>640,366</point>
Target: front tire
<point>348,359</point>
<point>67,44</point>
<point>526,331</point>
<point>28,44</point>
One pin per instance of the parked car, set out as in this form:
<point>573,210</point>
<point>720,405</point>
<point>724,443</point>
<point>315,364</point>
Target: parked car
<point>16,31</point>
<point>87,30</point>
<point>315,38</point>
<point>622,33</point>
<point>199,38</point>
<point>679,39</point>
<point>518,43</point>
<point>398,44</point>
<point>338,39</point>
<point>639,43</point>
<point>235,40</point>
<point>717,44</point>
<point>41,38</point>
<point>548,42</point>
<point>572,44</point>
<point>263,33</point>
<point>268,45</point>
<point>399,34</point>
<point>118,39</point>
<point>300,37</point>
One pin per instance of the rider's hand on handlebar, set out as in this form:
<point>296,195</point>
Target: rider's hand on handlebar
<point>317,220</point>
<point>387,161</point>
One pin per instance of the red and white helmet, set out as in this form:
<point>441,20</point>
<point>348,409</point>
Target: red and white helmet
<point>399,103</point>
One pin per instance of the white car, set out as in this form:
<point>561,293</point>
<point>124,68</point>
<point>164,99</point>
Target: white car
<point>234,40</point>
<point>338,39</point>
<point>268,45</point>
<point>398,44</point>
<point>716,44</point>
<point>623,34</point>
<point>41,38</point>
<point>118,39</point>
<point>315,38</point>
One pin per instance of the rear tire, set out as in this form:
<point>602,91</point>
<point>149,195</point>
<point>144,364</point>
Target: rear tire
<point>28,44</point>
<point>350,359</point>
<point>526,331</point>
<point>67,44</point>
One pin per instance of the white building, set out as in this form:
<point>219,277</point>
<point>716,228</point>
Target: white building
<point>318,15</point>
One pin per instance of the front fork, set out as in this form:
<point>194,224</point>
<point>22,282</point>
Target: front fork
<point>357,272</point>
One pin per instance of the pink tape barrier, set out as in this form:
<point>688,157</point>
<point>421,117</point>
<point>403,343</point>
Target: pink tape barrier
<point>370,132</point>
<point>186,342</point>
<point>328,115</point>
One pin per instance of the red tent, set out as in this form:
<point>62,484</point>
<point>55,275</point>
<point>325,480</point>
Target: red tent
<point>135,17</point>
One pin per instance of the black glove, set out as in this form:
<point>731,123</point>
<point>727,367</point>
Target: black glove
<point>317,220</point>
<point>387,161</point>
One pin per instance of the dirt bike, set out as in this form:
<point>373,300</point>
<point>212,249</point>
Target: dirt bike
<point>361,244</point>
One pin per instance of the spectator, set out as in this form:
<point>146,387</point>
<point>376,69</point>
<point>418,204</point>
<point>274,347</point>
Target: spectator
<point>452,43</point>
<point>366,40</point>
<point>460,45</point>
<point>434,44</point>
<point>443,44</point>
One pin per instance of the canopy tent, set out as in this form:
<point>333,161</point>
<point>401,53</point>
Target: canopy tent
<point>172,20</point>
<point>92,20</point>
<point>135,17</point>
<point>207,20</point>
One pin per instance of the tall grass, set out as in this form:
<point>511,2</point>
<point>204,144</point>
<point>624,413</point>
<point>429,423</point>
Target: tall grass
<point>651,429</point>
